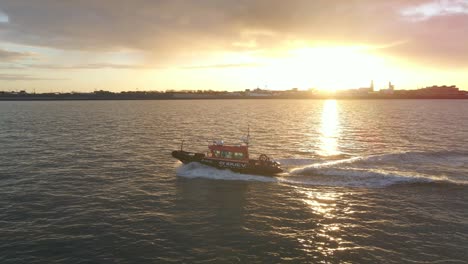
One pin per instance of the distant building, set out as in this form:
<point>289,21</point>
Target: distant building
<point>192,95</point>
<point>390,89</point>
<point>258,93</point>
<point>439,90</point>
<point>365,90</point>
<point>434,91</point>
<point>102,92</point>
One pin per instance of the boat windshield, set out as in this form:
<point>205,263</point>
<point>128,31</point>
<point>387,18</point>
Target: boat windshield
<point>228,154</point>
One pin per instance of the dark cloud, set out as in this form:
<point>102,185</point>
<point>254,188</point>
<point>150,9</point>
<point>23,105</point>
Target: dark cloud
<point>439,41</point>
<point>9,56</point>
<point>171,29</point>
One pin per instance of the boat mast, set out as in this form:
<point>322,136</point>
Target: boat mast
<point>248,134</point>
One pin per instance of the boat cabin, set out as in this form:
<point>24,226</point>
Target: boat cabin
<point>219,151</point>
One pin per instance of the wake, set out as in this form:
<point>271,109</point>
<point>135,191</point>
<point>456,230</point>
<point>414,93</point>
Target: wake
<point>375,171</point>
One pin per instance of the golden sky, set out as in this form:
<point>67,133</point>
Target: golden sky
<point>120,45</point>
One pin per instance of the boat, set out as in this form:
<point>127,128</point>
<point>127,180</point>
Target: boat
<point>233,157</point>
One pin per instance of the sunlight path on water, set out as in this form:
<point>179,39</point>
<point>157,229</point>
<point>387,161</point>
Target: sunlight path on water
<point>330,129</point>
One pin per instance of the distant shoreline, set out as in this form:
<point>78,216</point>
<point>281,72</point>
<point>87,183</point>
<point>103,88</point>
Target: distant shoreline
<point>146,98</point>
<point>432,92</point>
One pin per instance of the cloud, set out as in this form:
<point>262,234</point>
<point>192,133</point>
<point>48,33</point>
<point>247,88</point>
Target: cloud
<point>435,8</point>
<point>221,66</point>
<point>177,31</point>
<point>439,41</point>
<point>25,77</point>
<point>89,66</point>
<point>12,67</point>
<point>3,17</point>
<point>9,56</point>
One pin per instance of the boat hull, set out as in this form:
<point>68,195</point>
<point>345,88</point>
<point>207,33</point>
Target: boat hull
<point>248,167</point>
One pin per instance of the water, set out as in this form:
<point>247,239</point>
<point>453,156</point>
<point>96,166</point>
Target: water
<point>366,182</point>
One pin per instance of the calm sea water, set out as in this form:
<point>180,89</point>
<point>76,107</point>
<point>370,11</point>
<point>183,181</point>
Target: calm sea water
<point>366,182</point>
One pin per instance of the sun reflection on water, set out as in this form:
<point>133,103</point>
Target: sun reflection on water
<point>327,237</point>
<point>330,129</point>
<point>321,203</point>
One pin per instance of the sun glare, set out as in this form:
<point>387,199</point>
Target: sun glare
<point>326,67</point>
<point>335,68</point>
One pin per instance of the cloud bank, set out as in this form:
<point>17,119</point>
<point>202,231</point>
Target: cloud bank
<point>25,77</point>
<point>10,56</point>
<point>173,30</point>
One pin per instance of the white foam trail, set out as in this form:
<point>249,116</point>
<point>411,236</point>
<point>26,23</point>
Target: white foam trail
<point>296,162</point>
<point>368,172</point>
<point>331,178</point>
<point>326,164</point>
<point>197,170</point>
<point>433,158</point>
<point>367,178</point>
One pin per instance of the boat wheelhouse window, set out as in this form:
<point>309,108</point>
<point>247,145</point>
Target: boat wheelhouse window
<point>226,154</point>
<point>238,155</point>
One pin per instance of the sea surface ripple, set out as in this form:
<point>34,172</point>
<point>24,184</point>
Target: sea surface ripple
<point>365,182</point>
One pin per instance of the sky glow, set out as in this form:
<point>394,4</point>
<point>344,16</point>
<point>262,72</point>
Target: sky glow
<point>231,45</point>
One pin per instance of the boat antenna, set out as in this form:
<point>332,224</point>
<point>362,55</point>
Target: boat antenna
<point>245,138</point>
<point>182,145</point>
